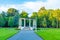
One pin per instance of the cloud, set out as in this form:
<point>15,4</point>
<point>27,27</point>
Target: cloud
<point>52,4</point>
<point>32,6</point>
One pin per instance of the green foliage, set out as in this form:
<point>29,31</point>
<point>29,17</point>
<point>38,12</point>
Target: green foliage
<point>47,18</point>
<point>16,20</point>
<point>52,17</point>
<point>2,21</point>
<point>44,17</point>
<point>13,17</point>
<point>12,12</point>
<point>24,14</point>
<point>54,23</point>
<point>34,15</point>
<point>11,21</point>
<point>44,22</point>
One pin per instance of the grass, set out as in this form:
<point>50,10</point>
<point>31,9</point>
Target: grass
<point>6,33</point>
<point>49,33</point>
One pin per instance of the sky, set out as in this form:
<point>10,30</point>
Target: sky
<point>28,5</point>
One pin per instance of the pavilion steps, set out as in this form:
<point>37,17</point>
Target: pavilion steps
<point>26,28</point>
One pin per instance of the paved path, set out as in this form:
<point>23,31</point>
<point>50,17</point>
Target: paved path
<point>25,35</point>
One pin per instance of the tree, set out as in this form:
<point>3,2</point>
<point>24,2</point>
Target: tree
<point>24,14</point>
<point>44,24</point>
<point>53,18</point>
<point>16,20</point>
<point>58,17</point>
<point>11,22</point>
<point>13,17</point>
<point>42,13</point>
<point>2,21</point>
<point>34,15</point>
<point>12,11</point>
<point>53,24</point>
<point>4,15</point>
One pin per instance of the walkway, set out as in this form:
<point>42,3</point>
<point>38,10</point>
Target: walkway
<point>25,35</point>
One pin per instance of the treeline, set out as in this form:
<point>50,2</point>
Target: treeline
<point>9,18</point>
<point>45,18</point>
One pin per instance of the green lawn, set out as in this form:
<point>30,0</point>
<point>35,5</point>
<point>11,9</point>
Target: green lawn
<point>49,33</point>
<point>5,33</point>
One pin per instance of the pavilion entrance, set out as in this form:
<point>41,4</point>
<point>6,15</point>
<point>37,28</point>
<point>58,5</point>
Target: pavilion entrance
<point>27,23</point>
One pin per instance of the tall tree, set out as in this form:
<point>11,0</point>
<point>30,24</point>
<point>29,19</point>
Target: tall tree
<point>13,17</point>
<point>2,21</point>
<point>16,20</point>
<point>24,14</point>
<point>12,11</point>
<point>44,23</point>
<point>4,15</point>
<point>11,22</point>
<point>34,15</point>
<point>58,17</point>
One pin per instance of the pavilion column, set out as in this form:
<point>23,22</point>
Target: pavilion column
<point>34,24</point>
<point>20,23</point>
<point>24,22</point>
<point>29,22</point>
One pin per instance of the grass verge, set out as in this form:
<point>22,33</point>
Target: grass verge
<point>49,33</point>
<point>5,33</point>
